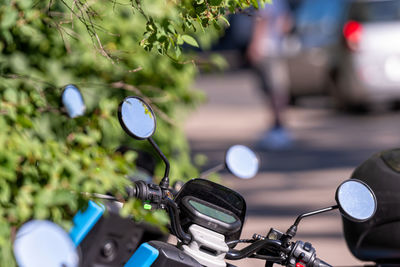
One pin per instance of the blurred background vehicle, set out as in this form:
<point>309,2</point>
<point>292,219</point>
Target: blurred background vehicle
<point>369,69</point>
<point>350,49</point>
<point>309,48</point>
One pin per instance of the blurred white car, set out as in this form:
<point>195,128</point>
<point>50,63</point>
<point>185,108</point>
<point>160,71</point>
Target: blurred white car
<point>369,69</point>
<point>351,44</point>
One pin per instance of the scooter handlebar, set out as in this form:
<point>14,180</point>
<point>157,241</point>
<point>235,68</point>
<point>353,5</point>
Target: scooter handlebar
<point>299,252</point>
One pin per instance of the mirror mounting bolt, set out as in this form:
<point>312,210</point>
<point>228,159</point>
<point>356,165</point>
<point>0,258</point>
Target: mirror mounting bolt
<point>164,184</point>
<point>258,237</point>
<point>291,232</point>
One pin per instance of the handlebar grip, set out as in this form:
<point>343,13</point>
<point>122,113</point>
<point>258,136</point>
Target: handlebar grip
<point>131,191</point>
<point>146,192</point>
<point>320,263</point>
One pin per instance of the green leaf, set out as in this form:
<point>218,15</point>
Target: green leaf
<point>9,18</point>
<point>171,29</point>
<point>11,95</point>
<point>7,36</point>
<point>216,26</point>
<point>178,51</point>
<point>179,40</point>
<point>215,2</point>
<point>200,23</point>
<point>26,4</point>
<point>254,3</point>
<point>225,20</point>
<point>19,63</point>
<point>24,121</point>
<point>190,40</point>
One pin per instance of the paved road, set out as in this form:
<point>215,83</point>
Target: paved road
<point>328,146</point>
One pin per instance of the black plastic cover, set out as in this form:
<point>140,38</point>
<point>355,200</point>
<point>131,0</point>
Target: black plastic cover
<point>217,195</point>
<point>172,256</point>
<point>113,240</point>
<point>378,239</point>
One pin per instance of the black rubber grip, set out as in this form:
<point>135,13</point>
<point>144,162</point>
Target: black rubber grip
<point>320,263</point>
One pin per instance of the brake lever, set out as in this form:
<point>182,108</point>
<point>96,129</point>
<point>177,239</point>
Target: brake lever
<point>274,259</point>
<point>235,242</point>
<point>234,254</point>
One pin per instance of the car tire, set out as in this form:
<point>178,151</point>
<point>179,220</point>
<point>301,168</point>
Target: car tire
<point>341,101</point>
<point>395,105</point>
<point>357,108</point>
<point>293,100</point>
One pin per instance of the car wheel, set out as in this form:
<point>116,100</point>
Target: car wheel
<point>358,108</point>
<point>293,100</point>
<point>395,105</point>
<point>343,102</point>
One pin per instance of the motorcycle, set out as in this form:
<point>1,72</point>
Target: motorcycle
<point>207,218</point>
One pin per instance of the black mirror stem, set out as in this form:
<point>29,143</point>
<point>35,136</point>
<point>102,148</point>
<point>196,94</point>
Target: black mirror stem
<point>291,232</point>
<point>164,184</point>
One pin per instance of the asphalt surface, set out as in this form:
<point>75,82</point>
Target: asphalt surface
<point>327,146</point>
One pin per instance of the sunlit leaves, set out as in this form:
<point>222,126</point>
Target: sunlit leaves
<point>165,30</point>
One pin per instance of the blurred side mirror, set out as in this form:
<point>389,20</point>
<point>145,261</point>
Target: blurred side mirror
<point>44,244</point>
<point>241,161</point>
<point>73,101</point>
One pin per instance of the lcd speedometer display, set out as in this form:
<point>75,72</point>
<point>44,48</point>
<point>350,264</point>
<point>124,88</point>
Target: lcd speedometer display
<point>211,206</point>
<point>213,213</point>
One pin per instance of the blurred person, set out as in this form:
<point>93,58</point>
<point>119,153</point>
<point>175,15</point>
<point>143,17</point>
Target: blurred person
<point>265,54</point>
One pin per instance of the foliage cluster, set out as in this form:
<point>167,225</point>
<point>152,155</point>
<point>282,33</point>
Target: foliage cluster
<point>47,159</point>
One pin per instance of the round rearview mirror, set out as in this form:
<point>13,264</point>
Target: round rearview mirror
<point>356,200</point>
<point>241,161</point>
<point>44,244</point>
<point>136,118</point>
<point>73,101</point>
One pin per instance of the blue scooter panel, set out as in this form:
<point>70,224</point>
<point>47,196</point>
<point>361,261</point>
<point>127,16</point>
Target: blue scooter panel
<point>84,222</point>
<point>161,254</point>
<point>144,256</point>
